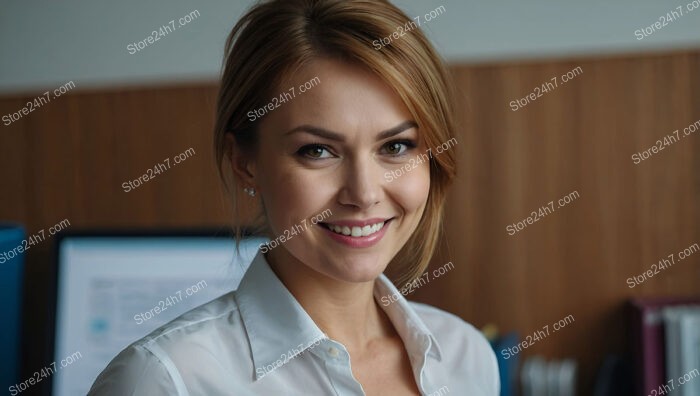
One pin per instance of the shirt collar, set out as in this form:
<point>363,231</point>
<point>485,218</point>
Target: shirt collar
<point>277,324</point>
<point>274,320</point>
<point>416,336</point>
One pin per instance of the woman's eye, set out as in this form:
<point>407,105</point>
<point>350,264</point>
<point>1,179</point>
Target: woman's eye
<point>314,151</point>
<point>399,147</point>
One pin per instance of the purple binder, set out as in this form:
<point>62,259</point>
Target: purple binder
<point>648,345</point>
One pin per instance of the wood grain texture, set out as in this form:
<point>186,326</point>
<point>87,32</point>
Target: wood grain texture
<point>68,160</point>
<point>576,260</point>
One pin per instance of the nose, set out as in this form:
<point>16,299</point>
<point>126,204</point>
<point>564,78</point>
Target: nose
<point>361,183</point>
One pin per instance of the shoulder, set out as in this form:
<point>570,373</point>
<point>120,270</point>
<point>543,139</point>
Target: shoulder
<point>135,371</point>
<point>461,344</point>
<point>153,364</point>
<point>202,319</point>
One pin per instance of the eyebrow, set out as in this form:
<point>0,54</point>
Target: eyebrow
<point>330,135</point>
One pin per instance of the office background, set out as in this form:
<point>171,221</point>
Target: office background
<point>127,112</point>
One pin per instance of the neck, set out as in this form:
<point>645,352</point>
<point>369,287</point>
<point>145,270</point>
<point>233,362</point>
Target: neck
<point>346,311</point>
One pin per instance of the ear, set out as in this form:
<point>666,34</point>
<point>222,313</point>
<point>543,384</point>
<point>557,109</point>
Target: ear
<point>242,164</point>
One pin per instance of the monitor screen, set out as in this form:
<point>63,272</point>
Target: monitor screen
<point>113,290</point>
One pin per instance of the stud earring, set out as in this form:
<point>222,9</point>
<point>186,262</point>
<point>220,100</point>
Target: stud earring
<point>250,191</point>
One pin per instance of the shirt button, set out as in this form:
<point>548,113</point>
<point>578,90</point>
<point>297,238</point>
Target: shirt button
<point>333,351</point>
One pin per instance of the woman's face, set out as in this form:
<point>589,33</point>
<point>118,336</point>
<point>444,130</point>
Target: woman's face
<point>330,151</point>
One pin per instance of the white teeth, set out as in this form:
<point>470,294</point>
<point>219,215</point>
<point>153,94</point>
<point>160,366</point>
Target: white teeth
<point>356,231</point>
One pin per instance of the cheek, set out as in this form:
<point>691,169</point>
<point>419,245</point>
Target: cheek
<point>411,190</point>
<point>291,195</point>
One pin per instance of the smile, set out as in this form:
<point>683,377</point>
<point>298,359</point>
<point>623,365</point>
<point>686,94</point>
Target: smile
<point>356,231</point>
<point>357,234</point>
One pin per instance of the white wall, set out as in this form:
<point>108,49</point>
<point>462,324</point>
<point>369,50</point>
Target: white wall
<point>45,43</point>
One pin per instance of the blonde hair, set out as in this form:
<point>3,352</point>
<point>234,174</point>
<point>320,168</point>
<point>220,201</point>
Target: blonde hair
<point>276,37</point>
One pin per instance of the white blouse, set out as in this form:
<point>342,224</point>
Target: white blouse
<point>258,340</point>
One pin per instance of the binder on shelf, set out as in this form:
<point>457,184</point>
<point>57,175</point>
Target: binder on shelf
<point>507,367</point>
<point>551,378</point>
<point>11,280</point>
<point>690,351</point>
<point>682,325</point>
<point>648,339</point>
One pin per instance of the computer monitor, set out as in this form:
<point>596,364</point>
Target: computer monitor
<point>113,289</point>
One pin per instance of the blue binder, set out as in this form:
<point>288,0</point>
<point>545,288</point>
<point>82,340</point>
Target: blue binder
<point>507,367</point>
<point>11,278</point>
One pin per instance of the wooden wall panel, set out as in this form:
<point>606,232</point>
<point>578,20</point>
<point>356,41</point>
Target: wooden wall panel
<point>575,261</point>
<point>69,158</point>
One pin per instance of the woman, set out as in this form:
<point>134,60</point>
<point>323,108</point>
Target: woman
<point>345,135</point>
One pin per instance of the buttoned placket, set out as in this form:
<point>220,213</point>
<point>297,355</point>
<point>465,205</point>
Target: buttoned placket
<point>337,362</point>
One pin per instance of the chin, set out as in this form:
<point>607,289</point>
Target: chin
<point>357,269</point>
